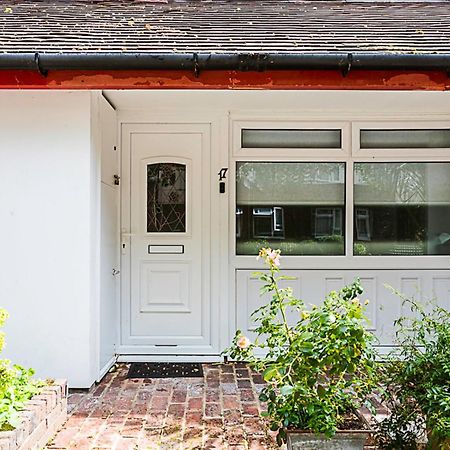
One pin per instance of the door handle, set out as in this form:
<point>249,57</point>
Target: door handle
<point>115,272</point>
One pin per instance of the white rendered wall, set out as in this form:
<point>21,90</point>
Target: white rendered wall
<point>46,224</point>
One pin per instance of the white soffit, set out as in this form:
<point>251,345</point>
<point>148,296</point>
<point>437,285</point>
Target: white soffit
<point>284,100</point>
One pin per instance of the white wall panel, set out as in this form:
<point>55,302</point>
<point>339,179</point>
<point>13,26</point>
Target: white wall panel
<point>45,224</point>
<point>383,308</point>
<point>106,129</point>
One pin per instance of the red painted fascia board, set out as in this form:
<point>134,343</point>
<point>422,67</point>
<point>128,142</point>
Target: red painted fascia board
<point>280,79</point>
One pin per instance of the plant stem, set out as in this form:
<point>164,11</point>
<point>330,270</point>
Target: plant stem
<point>282,307</point>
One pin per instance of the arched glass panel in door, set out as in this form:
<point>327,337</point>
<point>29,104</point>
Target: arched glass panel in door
<point>166,198</point>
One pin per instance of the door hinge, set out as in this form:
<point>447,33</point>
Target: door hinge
<point>116,180</point>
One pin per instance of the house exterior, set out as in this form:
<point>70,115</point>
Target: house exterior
<point>149,148</point>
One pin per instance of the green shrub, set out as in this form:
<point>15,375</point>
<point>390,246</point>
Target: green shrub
<point>16,386</point>
<point>417,376</point>
<point>319,369</point>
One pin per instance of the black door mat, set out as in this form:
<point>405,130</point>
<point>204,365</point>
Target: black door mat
<point>165,370</point>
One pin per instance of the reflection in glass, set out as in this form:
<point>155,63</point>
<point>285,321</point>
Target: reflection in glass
<point>402,209</point>
<point>297,207</point>
<point>291,138</point>
<point>433,138</point>
<point>166,198</point>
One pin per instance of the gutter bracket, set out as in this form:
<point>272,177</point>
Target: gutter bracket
<point>196,66</point>
<point>37,61</point>
<point>345,71</point>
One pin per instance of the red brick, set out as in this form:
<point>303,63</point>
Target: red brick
<point>159,403</point>
<point>235,435</point>
<point>253,426</point>
<point>249,409</point>
<point>229,388</point>
<point>179,396</point>
<point>227,378</point>
<point>232,417</point>
<point>242,373</point>
<point>231,402</point>
<point>195,403</point>
<point>176,410</point>
<point>227,368</point>
<point>247,395</point>
<point>212,395</point>
<point>193,418</point>
<point>212,410</point>
<point>65,438</point>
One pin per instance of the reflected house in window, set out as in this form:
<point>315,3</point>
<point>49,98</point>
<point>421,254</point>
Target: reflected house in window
<point>362,224</point>
<point>268,222</point>
<point>297,207</point>
<point>327,222</point>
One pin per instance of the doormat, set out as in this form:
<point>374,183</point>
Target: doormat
<point>165,370</point>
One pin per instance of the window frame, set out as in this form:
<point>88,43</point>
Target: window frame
<point>233,201</point>
<point>405,152</point>
<point>349,154</point>
<point>188,188</point>
<point>281,152</point>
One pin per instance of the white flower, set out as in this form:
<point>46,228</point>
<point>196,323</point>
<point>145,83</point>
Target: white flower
<point>243,342</point>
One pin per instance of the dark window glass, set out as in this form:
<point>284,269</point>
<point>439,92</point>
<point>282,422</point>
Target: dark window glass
<point>402,209</point>
<point>296,207</point>
<point>166,198</point>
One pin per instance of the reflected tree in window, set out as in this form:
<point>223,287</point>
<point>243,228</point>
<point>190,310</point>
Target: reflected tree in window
<point>401,208</point>
<point>297,207</point>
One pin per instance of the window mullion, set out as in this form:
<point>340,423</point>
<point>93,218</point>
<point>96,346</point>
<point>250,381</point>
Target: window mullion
<point>349,209</point>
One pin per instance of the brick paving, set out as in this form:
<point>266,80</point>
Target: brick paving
<point>220,411</point>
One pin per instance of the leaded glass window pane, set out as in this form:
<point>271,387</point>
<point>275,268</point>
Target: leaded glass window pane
<point>166,198</point>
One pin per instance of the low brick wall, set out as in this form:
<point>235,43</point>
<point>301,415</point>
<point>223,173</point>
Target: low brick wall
<point>43,415</point>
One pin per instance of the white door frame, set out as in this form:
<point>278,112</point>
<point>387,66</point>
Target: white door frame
<point>219,237</point>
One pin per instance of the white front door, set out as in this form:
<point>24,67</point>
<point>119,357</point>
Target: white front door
<point>166,240</point>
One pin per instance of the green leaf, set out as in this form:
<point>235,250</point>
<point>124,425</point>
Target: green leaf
<point>286,390</point>
<point>321,391</point>
<point>270,373</point>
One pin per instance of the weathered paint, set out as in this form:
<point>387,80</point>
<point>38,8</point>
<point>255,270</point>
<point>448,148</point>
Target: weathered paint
<point>311,79</point>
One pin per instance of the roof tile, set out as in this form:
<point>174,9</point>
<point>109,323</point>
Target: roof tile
<point>220,26</point>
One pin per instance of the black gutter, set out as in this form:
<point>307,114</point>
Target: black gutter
<point>224,61</point>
